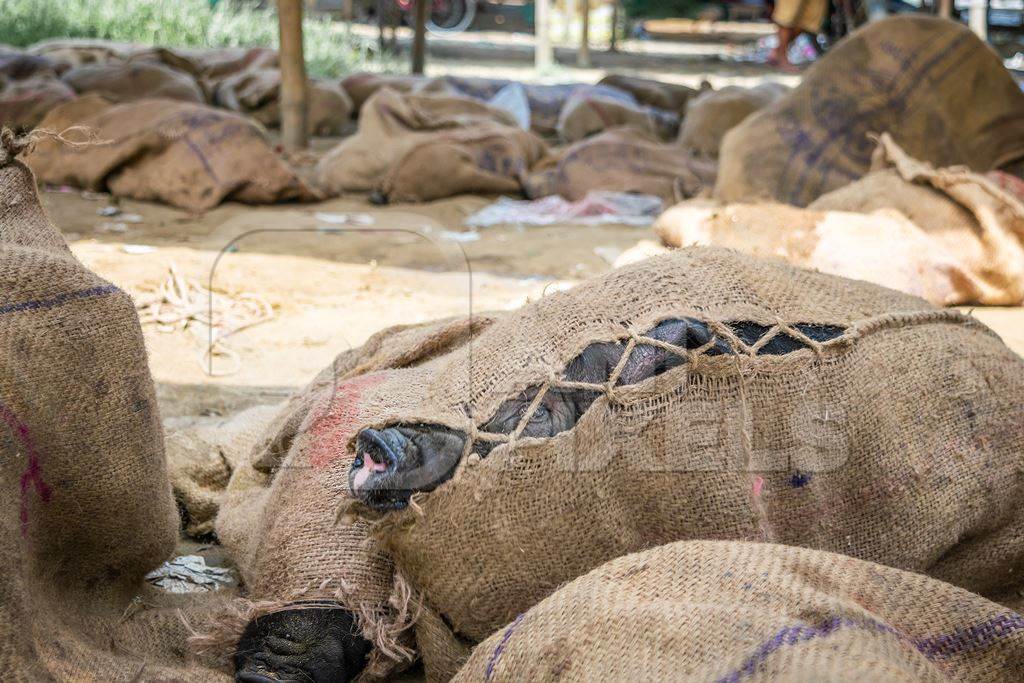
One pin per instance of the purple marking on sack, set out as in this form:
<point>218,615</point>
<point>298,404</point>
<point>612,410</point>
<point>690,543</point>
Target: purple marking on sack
<point>33,474</point>
<point>198,153</point>
<point>971,638</point>
<point>932,647</point>
<point>58,300</point>
<point>853,124</point>
<point>496,655</point>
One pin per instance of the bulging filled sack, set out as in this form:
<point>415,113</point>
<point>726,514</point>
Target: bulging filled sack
<point>87,508</point>
<point>362,86</point>
<point>586,114</point>
<point>723,611</point>
<point>668,96</point>
<point>918,78</point>
<point>712,114</point>
<point>620,160</point>
<point>421,147</point>
<point>256,92</point>
<point>280,513</point>
<point>134,80</point>
<point>702,394</point>
<point>187,155</point>
<point>24,103</point>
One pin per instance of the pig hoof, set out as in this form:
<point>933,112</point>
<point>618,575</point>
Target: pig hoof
<point>311,644</point>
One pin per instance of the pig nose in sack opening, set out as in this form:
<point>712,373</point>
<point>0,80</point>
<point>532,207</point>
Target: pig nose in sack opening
<point>393,463</point>
<point>380,451</point>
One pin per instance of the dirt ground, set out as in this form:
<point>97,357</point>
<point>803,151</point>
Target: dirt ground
<point>329,292</point>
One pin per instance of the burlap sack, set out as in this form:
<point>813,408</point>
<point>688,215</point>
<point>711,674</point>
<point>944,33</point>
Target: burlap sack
<point>393,124</point>
<point>202,454</point>
<point>134,80</point>
<point>586,114</point>
<point>622,160</point>
<point>720,611</point>
<point>24,103</point>
<point>883,247</point>
<point>667,96</point>
<point>88,508</point>
<point>362,86</point>
<point>210,65</point>
<point>186,155</point>
<point>489,158</point>
<point>256,92</point>
<point>979,224</point>
<point>17,65</point>
<point>546,101</point>
<point>280,516</point>
<point>898,441</point>
<point>917,78</point>
<point>714,113</point>
<point>72,52</point>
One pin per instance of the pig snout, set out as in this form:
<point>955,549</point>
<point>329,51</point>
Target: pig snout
<point>393,463</point>
<point>308,644</point>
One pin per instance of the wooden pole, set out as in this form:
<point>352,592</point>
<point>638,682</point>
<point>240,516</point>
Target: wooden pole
<point>946,9</point>
<point>419,39</point>
<point>583,56</point>
<point>613,43</point>
<point>293,76</point>
<point>544,56</point>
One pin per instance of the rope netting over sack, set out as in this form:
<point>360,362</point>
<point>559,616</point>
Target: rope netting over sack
<point>730,612</point>
<point>698,395</point>
<point>87,510</point>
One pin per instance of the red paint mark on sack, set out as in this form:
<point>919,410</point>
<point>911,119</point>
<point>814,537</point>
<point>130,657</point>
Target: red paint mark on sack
<point>32,477</point>
<point>332,429</point>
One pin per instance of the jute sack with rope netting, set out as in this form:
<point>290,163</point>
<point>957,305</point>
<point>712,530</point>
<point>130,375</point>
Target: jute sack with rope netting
<point>898,441</point>
<point>729,612</point>
<point>918,78</point>
<point>421,147</point>
<point>280,514</point>
<point>620,159</point>
<point>712,114</point>
<point>87,509</point>
<point>187,155</point>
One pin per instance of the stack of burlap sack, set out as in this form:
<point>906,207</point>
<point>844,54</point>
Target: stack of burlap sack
<point>164,116</point>
<point>622,134</point>
<point>246,80</point>
<point>29,87</point>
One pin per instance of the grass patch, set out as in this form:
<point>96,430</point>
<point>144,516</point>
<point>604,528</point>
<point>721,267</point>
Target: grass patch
<point>331,49</point>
